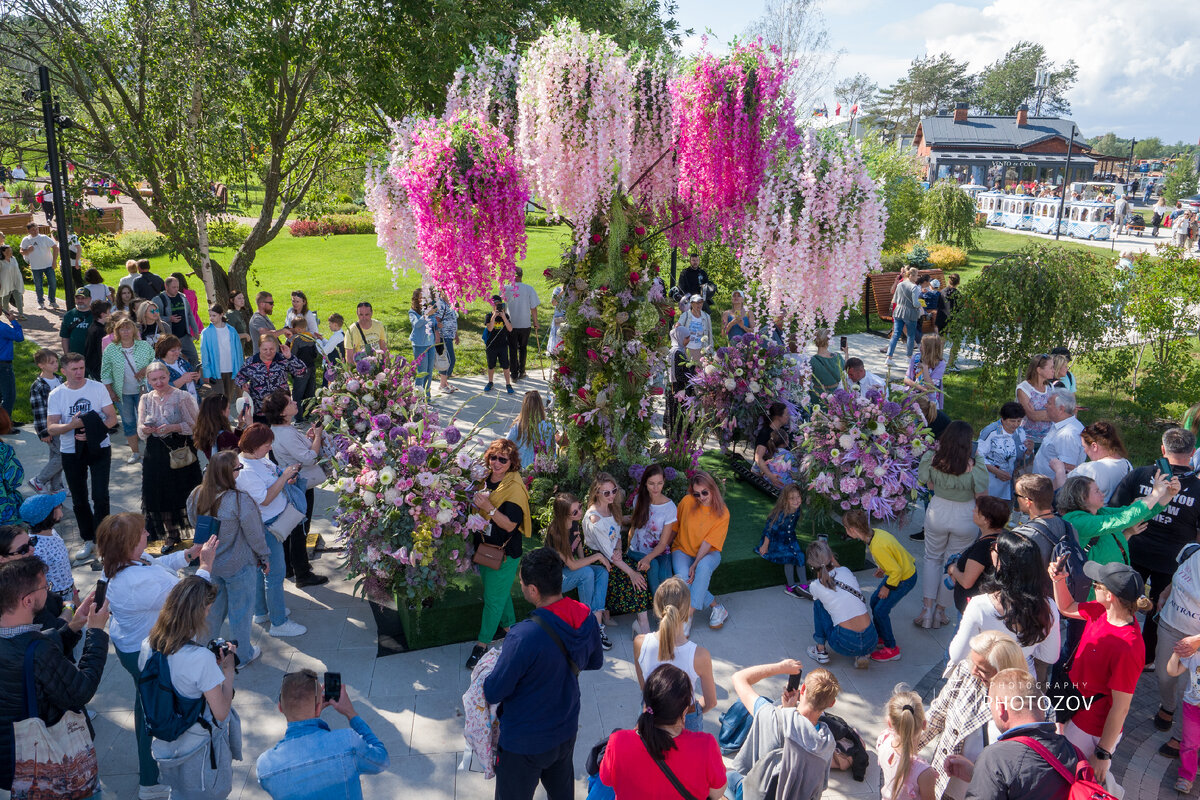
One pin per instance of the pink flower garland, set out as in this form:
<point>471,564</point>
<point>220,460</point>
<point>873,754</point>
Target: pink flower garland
<point>487,88</point>
<point>468,204</point>
<point>652,165</point>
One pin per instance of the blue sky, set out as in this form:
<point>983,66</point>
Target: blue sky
<point>1139,61</point>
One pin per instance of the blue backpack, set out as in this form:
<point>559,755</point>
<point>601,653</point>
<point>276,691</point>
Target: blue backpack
<point>168,715</point>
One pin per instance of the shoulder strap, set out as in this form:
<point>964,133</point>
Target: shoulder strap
<point>31,710</point>
<point>553,634</point>
<point>1041,750</point>
<point>854,592</point>
<point>662,765</point>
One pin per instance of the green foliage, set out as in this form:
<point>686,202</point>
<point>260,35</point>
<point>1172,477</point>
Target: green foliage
<point>947,258</point>
<point>1159,295</point>
<point>902,195</point>
<point>1005,84</point>
<point>1180,182</point>
<point>917,256</point>
<point>1032,300</point>
<point>932,83</point>
<point>227,233</point>
<point>106,251</point>
<point>948,215</point>
<point>893,261</point>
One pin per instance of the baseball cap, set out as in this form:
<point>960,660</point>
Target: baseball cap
<point>695,299</point>
<point>38,507</point>
<point>82,292</point>
<point>1120,579</point>
<point>935,283</point>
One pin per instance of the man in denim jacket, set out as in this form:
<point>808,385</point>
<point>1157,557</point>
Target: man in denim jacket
<point>312,761</point>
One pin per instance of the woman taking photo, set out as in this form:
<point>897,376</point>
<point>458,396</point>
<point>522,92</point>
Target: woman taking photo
<point>771,441</point>
<point>828,369</point>
<point>956,480</point>
<point>701,529</point>
<point>265,482</point>
<point>531,432</point>
<point>447,318</point>
<point>238,318</point>
<point>122,370</point>
<point>652,527</point>
<point>602,523</point>
<point>169,350</point>
<point>212,432</point>
<point>1102,529</point>
<point>137,588</point>
<point>737,321</point>
<point>670,645</point>
<point>1033,394</point>
<point>241,550</point>
<point>1014,600</point>
<point>1109,659</point>
<point>199,764</point>
<point>425,329</point>
<point>267,371</point>
<point>166,416</point>
<point>636,762</point>
<point>304,449</point>
<point>841,618</point>
<point>1107,462</point>
<point>503,500</point>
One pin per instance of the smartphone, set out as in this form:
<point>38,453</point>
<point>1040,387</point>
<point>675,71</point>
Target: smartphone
<point>844,344</point>
<point>333,686</point>
<point>1164,467</point>
<point>794,682</point>
<point>101,593</point>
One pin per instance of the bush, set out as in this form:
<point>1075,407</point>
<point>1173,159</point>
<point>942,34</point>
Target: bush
<point>947,258</point>
<point>893,261</point>
<point>106,251</point>
<point>537,220</point>
<point>917,256</point>
<point>227,233</point>
<point>334,225</point>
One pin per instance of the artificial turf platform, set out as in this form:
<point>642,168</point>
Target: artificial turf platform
<point>455,617</point>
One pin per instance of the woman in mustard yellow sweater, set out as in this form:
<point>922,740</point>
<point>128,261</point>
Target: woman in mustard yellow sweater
<point>696,552</point>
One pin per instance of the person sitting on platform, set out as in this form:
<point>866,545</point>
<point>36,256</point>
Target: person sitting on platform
<point>772,458</point>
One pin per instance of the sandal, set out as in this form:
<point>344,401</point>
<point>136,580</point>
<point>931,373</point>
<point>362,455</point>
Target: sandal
<point>1161,722</point>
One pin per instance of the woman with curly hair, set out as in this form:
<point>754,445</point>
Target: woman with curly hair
<point>1015,599</point>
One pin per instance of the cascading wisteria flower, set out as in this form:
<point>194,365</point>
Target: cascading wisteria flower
<point>468,204</point>
<point>816,229</point>
<point>387,200</point>
<point>487,88</point>
<point>575,122</point>
<point>653,171</point>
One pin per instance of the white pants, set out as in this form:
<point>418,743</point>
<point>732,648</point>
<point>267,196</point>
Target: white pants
<point>1087,744</point>
<point>949,529</point>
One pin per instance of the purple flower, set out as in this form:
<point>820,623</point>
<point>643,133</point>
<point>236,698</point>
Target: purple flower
<point>417,455</point>
<point>669,473</point>
<point>453,435</point>
<point>381,422</point>
<point>365,365</point>
<point>398,433</point>
<point>636,471</point>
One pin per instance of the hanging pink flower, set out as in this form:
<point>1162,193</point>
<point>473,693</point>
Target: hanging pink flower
<point>594,333</point>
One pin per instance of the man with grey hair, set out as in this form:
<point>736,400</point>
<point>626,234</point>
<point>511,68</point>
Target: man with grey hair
<point>1062,443</point>
<point>1153,551</point>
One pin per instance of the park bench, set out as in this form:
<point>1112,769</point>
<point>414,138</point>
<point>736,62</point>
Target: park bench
<point>877,297</point>
<point>14,224</point>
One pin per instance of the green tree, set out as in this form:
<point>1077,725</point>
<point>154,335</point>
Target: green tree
<point>1109,145</point>
<point>1009,82</point>
<point>948,215</point>
<point>1149,148</point>
<point>855,90</point>
<point>1181,181</point>
<point>797,28</point>
<point>896,169</point>
<point>932,83</point>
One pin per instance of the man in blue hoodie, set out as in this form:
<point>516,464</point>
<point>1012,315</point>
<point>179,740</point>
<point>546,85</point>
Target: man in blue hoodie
<point>536,683</point>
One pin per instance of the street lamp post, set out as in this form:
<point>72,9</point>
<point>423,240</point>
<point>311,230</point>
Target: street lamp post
<point>1062,200</point>
<point>58,183</point>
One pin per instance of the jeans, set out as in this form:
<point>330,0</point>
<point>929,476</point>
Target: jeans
<point>40,275</point>
<point>77,466</point>
<point>839,639</point>
<point>497,598</point>
<point>1170,689</point>
<point>682,562</point>
<point>147,766</point>
<point>1158,582</point>
<point>8,386</point>
<point>424,357</point>
<point>129,412</point>
<point>235,595</point>
<point>51,475</point>
<point>268,589</point>
<point>518,774</point>
<point>518,347</point>
<point>660,568</point>
<point>914,335</point>
<point>448,346</point>
<point>881,608</point>
<point>591,582</point>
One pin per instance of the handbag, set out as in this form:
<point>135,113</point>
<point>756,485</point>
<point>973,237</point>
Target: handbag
<point>490,555</point>
<point>51,760</point>
<point>181,457</point>
<point>282,526</point>
<point>442,362</point>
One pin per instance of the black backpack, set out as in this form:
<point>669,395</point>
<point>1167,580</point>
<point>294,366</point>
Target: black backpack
<point>1064,544</point>
<point>168,715</point>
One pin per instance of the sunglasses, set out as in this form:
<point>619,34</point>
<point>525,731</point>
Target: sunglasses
<point>239,468</point>
<point>607,493</point>
<point>700,494</point>
<point>24,549</point>
<point>499,458</point>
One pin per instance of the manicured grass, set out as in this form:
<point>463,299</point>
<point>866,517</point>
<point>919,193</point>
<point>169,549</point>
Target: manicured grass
<point>24,371</point>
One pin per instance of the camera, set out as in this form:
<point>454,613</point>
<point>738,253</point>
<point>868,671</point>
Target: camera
<point>220,648</point>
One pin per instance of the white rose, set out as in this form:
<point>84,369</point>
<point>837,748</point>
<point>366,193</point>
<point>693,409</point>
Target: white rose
<point>846,441</point>
<point>368,399</point>
<point>445,515</point>
<point>368,497</point>
<point>754,387</point>
<point>730,384</point>
<point>391,496</point>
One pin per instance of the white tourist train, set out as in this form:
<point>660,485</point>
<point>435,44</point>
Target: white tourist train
<point>1046,215</point>
<point>988,203</point>
<point>1081,219</point>
<point>1089,220</point>
<point>1016,211</point>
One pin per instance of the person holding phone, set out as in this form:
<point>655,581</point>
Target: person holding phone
<point>497,329</point>
<point>312,760</point>
<point>166,418</point>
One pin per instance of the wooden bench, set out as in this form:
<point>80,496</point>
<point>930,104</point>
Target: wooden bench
<point>100,220</point>
<point>877,296</point>
<point>14,224</point>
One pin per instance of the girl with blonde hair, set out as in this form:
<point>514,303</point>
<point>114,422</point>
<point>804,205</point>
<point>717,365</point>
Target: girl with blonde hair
<point>702,525</point>
<point>531,431</point>
<point>905,775</point>
<point>670,645</point>
<point>927,367</point>
<point>628,592</point>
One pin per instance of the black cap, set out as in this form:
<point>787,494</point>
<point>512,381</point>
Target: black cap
<point>1120,579</point>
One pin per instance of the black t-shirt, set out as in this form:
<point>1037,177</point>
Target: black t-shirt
<point>690,280</point>
<point>497,535</point>
<point>148,286</point>
<point>1168,531</point>
<point>763,438</point>
<point>176,306</point>
<point>979,552</point>
<point>498,338</point>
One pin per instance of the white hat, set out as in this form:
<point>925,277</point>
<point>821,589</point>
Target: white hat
<point>695,299</point>
<point>935,283</point>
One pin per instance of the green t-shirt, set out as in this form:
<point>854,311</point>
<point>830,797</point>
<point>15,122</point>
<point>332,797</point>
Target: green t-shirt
<point>74,329</point>
<point>827,372</point>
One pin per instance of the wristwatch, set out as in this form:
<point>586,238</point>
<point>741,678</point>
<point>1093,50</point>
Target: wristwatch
<point>492,513</point>
<point>1103,754</point>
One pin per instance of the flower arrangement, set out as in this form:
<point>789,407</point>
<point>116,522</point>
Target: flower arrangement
<point>403,481</point>
<point>863,452</point>
<point>735,385</point>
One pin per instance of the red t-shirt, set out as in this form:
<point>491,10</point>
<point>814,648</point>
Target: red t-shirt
<point>1109,659</point>
<point>631,772</point>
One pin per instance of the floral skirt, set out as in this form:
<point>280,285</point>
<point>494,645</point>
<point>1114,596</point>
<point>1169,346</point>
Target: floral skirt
<point>623,597</point>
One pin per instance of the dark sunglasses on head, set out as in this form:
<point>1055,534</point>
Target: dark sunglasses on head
<point>239,467</point>
<point>497,457</point>
<point>26,548</point>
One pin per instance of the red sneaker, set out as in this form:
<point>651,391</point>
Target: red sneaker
<point>886,654</point>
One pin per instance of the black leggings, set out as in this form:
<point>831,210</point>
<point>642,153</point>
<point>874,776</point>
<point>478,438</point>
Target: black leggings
<point>295,546</point>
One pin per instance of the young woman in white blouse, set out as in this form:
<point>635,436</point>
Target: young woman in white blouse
<point>841,618</point>
<point>138,585</point>
<point>652,527</point>
<point>670,645</point>
<point>627,589</point>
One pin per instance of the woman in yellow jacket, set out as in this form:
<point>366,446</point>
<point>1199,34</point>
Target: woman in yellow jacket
<point>696,552</point>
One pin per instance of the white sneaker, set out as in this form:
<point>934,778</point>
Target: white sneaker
<point>289,628</point>
<point>718,617</point>
<point>156,792</point>
<point>85,553</point>
<point>259,619</point>
<point>255,652</point>
<point>133,458</point>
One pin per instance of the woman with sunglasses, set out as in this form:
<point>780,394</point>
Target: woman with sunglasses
<point>696,551</point>
<point>628,592</point>
<point>17,543</point>
<point>1033,394</point>
<point>505,502</point>
<point>152,327</point>
<point>241,551</point>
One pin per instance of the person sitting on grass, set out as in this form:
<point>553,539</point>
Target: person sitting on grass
<point>779,544</point>
<point>841,618</point>
<point>896,565</point>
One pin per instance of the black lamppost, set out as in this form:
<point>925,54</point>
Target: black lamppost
<point>1062,200</point>
<point>54,123</point>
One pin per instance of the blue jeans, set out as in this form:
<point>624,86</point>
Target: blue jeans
<point>914,335</point>
<point>584,580</point>
<point>694,721</point>
<point>8,386</point>
<point>235,594</point>
<point>448,346</point>
<point>268,589</point>
<point>129,412</point>
<point>660,568</point>
<point>881,608</point>
<point>147,766</point>
<point>44,274</point>
<point>682,562</point>
<point>839,639</point>
<point>424,357</point>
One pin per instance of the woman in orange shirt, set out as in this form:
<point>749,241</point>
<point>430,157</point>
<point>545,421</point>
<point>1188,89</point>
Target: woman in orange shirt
<point>696,552</point>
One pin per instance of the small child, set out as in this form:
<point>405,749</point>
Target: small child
<point>896,564</point>
<point>905,775</point>
<point>50,479</point>
<point>1191,718</point>
<point>335,346</point>
<point>40,512</point>
<point>779,544</point>
<point>304,347</point>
